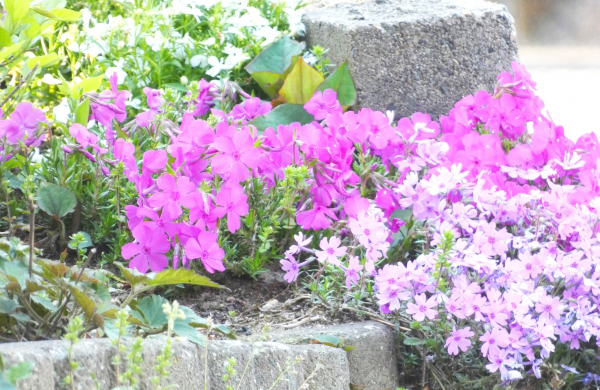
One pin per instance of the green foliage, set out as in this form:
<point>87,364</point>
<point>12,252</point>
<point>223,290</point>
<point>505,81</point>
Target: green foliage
<point>341,82</point>
<point>284,114</point>
<point>10,376</point>
<point>57,201</point>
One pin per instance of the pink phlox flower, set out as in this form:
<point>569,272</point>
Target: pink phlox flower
<point>233,202</point>
<point>418,127</point>
<point>423,308</point>
<point>549,306</point>
<point>356,205</point>
<point>528,266</point>
<point>283,149</point>
<point>491,242</point>
<point>163,221</point>
<point>378,127</point>
<point>205,99</point>
<point>237,156</point>
<point>301,243</point>
<point>174,194</point>
<point>290,266</point>
<point>414,163</point>
<point>250,109</point>
<point>455,306</point>
<point>331,251</point>
<point>155,160</point>
<point>83,136</point>
<point>345,125</point>
<point>322,103</point>
<point>459,340</point>
<point>206,248</point>
<point>493,340</point>
<point>318,217</point>
<point>352,272</point>
<point>155,101</point>
<point>22,124</point>
<point>367,228</point>
<point>149,249</point>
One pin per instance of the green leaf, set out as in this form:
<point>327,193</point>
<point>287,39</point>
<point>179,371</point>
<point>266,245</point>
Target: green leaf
<point>91,84</point>
<point>283,114</point>
<point>4,38</point>
<point>152,311</point>
<point>10,50</point>
<point>82,112</point>
<point>181,275</point>
<point>34,27</point>
<point>7,306</point>
<point>332,341</point>
<point>225,331</point>
<point>271,66</point>
<point>65,15</point>
<point>341,82</point>
<point>17,9</point>
<point>133,276</point>
<point>56,200</point>
<point>86,303</point>
<point>43,60</point>
<point>414,341</point>
<point>176,86</point>
<point>300,85</point>
<point>19,371</point>
<point>86,243</point>
<point>182,329</point>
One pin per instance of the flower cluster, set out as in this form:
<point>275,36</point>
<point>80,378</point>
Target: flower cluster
<point>506,207</point>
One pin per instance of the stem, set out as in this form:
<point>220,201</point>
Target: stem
<point>31,233</point>
<point>23,81</point>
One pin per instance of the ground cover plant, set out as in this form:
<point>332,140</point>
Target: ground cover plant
<point>477,234</point>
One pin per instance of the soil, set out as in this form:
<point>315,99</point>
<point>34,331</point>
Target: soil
<point>247,305</point>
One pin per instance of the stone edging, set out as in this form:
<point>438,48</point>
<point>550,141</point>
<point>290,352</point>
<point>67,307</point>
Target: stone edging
<point>373,360</point>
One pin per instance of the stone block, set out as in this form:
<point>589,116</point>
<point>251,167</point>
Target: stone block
<point>316,366</point>
<point>415,55</point>
<point>372,362</point>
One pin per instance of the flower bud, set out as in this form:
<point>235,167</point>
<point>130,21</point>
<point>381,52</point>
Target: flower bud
<point>67,149</point>
<point>89,156</point>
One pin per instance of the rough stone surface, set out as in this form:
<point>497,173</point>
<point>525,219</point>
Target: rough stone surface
<point>267,362</point>
<point>415,55</point>
<point>373,360</point>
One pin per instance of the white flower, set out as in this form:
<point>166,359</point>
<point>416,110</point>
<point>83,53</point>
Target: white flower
<point>51,80</point>
<point>310,58</point>
<point>208,42</point>
<point>62,111</point>
<point>118,68</point>
<point>199,60</point>
<point>156,42</point>
<point>216,66</point>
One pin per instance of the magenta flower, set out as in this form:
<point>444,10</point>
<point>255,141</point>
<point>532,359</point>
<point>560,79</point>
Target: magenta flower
<point>238,155</point>
<point>174,194</point>
<point>290,266</point>
<point>234,204</point>
<point>378,127</point>
<point>250,109</point>
<point>422,308</point>
<point>148,250</point>
<point>322,103</point>
<point>155,160</point>
<point>206,248</point>
<point>459,340</point>
<point>155,101</point>
<point>316,218</point>
<point>83,136</point>
<point>22,123</point>
<point>205,98</point>
<point>331,251</point>
<point>491,242</point>
<point>352,272</point>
